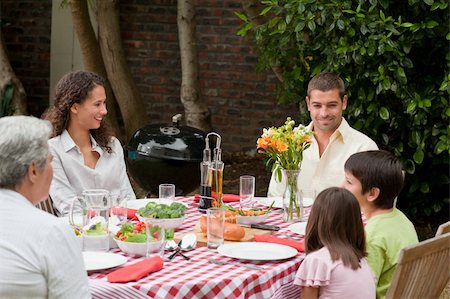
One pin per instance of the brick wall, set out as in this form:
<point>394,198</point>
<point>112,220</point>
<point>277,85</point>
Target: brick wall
<point>241,100</point>
<point>26,29</point>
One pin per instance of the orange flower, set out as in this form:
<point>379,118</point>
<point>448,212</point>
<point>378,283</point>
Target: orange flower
<point>281,146</point>
<point>263,142</point>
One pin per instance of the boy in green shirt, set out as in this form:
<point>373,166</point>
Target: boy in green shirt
<point>376,179</point>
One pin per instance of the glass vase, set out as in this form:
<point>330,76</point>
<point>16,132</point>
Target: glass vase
<point>292,200</point>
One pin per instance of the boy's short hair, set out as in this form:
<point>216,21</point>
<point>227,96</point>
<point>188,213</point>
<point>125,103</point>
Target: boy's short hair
<point>379,169</point>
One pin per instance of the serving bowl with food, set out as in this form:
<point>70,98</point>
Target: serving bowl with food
<point>167,216</point>
<point>132,238</point>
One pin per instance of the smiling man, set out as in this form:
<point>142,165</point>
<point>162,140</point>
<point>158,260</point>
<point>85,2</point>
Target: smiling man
<point>334,140</point>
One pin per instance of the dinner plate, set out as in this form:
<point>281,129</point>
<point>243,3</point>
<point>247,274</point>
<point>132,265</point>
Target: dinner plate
<point>102,260</point>
<point>298,228</point>
<point>267,201</point>
<point>257,251</point>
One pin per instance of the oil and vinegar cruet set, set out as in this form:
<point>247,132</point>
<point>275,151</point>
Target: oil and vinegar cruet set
<point>211,175</point>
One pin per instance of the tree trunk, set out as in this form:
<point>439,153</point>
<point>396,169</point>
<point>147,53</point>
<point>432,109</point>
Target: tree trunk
<point>92,56</point>
<point>252,10</point>
<point>130,102</point>
<point>196,110</point>
<point>7,76</point>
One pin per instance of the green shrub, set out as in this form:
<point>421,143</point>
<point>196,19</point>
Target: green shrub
<point>394,57</point>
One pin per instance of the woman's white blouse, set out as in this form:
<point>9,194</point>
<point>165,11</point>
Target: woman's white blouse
<point>71,176</point>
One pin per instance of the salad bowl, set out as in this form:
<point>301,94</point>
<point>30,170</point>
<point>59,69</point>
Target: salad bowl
<point>138,248</point>
<point>166,216</point>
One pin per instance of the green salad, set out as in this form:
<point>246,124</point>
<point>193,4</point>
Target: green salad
<point>136,233</point>
<point>162,211</point>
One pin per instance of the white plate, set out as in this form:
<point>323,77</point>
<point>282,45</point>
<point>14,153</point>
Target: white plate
<point>102,260</point>
<point>257,251</point>
<point>267,201</point>
<point>298,228</point>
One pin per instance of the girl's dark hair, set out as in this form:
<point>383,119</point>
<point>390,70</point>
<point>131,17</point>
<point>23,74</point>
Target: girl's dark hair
<point>335,222</point>
<point>72,88</point>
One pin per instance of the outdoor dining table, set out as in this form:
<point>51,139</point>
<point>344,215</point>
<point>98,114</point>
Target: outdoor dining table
<point>199,278</point>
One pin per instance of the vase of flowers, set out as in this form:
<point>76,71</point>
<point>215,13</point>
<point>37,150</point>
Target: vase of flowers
<point>283,148</point>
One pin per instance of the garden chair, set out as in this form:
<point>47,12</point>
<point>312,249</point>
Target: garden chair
<point>443,229</point>
<point>423,270</point>
<point>47,205</point>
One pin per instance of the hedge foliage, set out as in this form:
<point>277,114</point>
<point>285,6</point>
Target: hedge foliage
<point>394,57</point>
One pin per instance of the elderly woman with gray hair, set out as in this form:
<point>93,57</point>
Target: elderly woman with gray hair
<point>40,256</point>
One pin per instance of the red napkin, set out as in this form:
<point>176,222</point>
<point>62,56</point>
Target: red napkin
<point>225,197</point>
<point>272,239</point>
<point>131,213</point>
<point>136,271</point>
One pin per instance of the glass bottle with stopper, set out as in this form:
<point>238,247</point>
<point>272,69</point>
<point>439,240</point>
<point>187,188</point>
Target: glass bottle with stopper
<point>211,172</point>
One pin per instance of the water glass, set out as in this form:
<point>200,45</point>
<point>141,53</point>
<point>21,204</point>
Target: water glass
<point>246,191</point>
<point>155,238</point>
<point>166,193</point>
<point>118,207</point>
<point>308,196</point>
<point>215,225</point>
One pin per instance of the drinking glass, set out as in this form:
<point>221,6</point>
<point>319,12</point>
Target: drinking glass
<point>118,207</point>
<point>155,240</point>
<point>215,224</point>
<point>308,196</point>
<point>166,193</point>
<point>246,191</point>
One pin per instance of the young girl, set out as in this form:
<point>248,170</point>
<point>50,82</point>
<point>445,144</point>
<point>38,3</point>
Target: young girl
<point>85,154</point>
<point>334,266</point>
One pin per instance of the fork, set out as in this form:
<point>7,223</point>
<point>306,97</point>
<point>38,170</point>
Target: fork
<point>248,266</point>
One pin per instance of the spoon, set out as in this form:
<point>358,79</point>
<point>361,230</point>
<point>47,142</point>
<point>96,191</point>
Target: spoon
<point>188,242</point>
<point>178,251</point>
<point>171,245</point>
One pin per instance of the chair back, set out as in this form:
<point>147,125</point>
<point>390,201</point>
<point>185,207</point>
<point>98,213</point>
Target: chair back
<point>443,229</point>
<point>423,270</point>
<point>47,205</point>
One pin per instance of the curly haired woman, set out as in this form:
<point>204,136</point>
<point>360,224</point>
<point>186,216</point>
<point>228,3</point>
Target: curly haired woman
<point>85,154</point>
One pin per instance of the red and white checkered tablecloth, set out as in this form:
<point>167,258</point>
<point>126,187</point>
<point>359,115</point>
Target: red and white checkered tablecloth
<point>199,278</point>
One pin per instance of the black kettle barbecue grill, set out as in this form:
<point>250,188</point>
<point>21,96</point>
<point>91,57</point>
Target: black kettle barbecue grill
<point>167,153</point>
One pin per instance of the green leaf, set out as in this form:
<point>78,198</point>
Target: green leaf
<point>265,10</point>
<point>424,187</point>
<point>406,24</point>
<point>429,2</point>
<point>418,156</point>
<point>243,31</point>
<point>431,24</point>
<point>312,25</point>
<point>288,18</point>
<point>241,16</point>
<point>411,107</point>
<point>384,113</point>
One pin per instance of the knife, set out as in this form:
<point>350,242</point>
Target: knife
<point>261,226</point>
